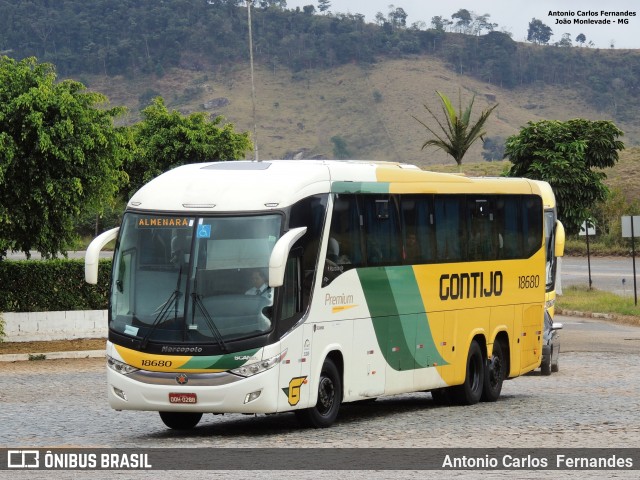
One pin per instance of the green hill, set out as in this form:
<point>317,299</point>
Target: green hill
<point>320,79</point>
<point>371,107</point>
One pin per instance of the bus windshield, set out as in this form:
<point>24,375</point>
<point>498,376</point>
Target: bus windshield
<point>193,279</point>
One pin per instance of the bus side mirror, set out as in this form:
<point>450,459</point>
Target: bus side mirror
<point>279,255</point>
<point>92,256</point>
<point>559,242</point>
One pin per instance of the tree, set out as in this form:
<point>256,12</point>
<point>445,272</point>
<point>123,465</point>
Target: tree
<point>397,17</point>
<point>481,22</point>
<point>581,38</point>
<point>439,23</point>
<point>164,140</point>
<point>538,32</point>
<point>458,134</point>
<point>60,155</point>
<point>324,5</point>
<point>565,41</point>
<point>463,20</point>
<point>566,154</point>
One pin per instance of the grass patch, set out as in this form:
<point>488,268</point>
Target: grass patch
<point>581,299</point>
<point>37,356</point>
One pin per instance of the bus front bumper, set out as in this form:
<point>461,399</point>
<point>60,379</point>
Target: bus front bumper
<point>224,393</point>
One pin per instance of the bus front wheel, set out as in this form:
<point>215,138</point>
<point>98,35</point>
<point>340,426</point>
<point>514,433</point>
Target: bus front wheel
<point>470,391</point>
<point>326,409</point>
<point>180,420</point>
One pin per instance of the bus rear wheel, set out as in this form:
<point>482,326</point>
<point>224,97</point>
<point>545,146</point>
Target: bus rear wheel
<point>180,420</point>
<point>326,409</point>
<point>470,392</point>
<point>494,374</point>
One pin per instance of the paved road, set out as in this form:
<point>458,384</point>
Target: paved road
<point>591,402</point>
<point>614,274</point>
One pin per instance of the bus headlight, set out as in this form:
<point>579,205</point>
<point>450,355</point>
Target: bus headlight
<point>120,367</point>
<point>258,367</point>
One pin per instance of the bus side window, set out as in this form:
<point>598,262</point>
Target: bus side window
<point>508,210</point>
<point>448,222</point>
<point>309,212</point>
<point>483,241</point>
<point>292,288</point>
<point>382,227</point>
<point>344,248</point>
<point>532,222</point>
<point>418,229</point>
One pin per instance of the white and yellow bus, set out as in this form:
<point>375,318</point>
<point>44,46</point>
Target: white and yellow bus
<point>275,286</point>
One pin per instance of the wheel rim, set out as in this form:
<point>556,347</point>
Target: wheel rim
<point>326,396</point>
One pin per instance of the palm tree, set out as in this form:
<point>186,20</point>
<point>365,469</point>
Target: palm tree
<point>458,134</point>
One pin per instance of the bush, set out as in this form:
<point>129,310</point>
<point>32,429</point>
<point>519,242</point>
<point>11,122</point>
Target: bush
<point>577,246</point>
<point>51,285</point>
<point>2,332</point>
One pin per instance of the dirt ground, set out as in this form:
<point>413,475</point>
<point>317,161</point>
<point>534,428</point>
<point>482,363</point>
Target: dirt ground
<point>78,344</point>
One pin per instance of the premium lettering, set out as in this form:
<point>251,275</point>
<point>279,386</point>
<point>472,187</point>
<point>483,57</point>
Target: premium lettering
<point>338,299</point>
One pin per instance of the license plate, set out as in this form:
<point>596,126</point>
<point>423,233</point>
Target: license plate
<point>183,398</point>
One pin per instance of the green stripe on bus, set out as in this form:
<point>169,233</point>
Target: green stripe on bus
<point>360,187</point>
<point>220,362</point>
<point>406,294</point>
<point>399,321</point>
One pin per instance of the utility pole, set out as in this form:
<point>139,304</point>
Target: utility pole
<point>253,86</point>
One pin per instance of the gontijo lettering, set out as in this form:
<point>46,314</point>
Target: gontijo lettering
<point>456,286</point>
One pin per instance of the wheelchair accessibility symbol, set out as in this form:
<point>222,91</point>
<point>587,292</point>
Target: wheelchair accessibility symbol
<point>204,231</point>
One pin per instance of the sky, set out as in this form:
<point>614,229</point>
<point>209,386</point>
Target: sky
<point>513,16</point>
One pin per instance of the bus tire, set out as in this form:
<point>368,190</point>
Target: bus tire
<point>494,374</point>
<point>470,392</point>
<point>555,367</point>
<point>545,366</point>
<point>325,412</point>
<point>180,420</point>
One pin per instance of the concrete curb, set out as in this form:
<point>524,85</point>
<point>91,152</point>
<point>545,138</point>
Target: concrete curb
<point>573,313</point>
<point>20,357</point>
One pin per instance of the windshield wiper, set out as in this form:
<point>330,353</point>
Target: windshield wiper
<point>197,302</point>
<point>173,300</point>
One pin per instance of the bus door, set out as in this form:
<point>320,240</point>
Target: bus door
<point>531,337</point>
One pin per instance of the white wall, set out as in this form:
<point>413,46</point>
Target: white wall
<point>41,326</point>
